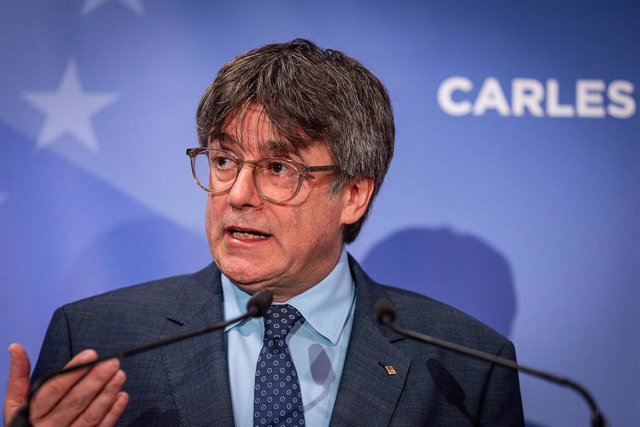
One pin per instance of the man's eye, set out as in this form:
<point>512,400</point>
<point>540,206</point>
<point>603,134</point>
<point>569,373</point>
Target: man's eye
<point>221,162</point>
<point>279,168</point>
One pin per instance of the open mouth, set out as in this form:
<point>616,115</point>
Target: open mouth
<point>244,234</point>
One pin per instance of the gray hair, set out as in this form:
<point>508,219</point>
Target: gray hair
<point>310,95</point>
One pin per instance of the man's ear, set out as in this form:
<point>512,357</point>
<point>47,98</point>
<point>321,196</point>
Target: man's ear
<point>356,196</point>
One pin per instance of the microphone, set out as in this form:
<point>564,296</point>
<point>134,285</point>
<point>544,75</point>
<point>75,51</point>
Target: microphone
<point>259,303</point>
<point>257,306</point>
<point>386,315</point>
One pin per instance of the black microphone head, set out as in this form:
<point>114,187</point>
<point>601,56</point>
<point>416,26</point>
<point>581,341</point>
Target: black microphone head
<point>259,303</point>
<point>385,311</point>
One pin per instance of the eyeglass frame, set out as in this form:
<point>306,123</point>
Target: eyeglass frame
<point>302,169</point>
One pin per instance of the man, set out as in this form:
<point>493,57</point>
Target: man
<point>295,143</point>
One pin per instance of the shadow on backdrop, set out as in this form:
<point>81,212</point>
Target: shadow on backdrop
<point>458,269</point>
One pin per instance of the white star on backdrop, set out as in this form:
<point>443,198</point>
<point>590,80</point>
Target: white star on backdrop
<point>68,110</point>
<point>135,6</point>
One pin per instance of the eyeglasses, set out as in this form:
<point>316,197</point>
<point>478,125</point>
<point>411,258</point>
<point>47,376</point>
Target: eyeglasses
<point>277,179</point>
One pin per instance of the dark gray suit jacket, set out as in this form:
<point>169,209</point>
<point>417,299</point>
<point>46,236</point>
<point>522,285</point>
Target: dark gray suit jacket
<point>187,383</point>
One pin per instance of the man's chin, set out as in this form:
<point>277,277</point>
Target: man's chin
<point>246,276</point>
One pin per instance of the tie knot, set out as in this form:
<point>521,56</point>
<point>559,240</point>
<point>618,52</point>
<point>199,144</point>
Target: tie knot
<point>279,320</point>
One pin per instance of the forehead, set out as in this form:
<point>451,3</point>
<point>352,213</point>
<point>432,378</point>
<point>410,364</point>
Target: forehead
<point>250,129</point>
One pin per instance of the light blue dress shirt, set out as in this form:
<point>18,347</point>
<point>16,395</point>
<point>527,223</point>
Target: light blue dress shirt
<point>318,347</point>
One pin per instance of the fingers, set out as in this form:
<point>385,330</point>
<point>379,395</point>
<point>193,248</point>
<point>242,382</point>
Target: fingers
<point>17,383</point>
<point>84,400</point>
<point>87,397</point>
<point>54,390</point>
<point>116,410</point>
<point>104,404</point>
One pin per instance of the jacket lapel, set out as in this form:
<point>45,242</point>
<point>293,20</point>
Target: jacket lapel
<point>197,367</point>
<point>375,371</point>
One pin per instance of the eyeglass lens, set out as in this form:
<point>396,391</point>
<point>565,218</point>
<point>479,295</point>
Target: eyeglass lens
<point>275,178</point>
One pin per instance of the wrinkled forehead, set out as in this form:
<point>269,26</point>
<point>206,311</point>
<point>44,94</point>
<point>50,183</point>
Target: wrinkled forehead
<point>251,129</point>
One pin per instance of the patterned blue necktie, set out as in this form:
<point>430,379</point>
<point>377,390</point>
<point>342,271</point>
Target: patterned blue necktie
<point>277,398</point>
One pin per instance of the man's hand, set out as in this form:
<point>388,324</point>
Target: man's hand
<point>73,399</point>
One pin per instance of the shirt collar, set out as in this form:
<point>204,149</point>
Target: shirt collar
<point>325,306</point>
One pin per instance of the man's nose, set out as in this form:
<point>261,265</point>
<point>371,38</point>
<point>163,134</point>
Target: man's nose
<point>243,192</point>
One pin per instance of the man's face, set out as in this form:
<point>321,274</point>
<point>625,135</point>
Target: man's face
<point>286,247</point>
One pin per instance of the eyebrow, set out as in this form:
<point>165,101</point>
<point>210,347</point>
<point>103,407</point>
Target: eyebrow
<point>281,148</point>
<point>273,147</point>
<point>223,139</point>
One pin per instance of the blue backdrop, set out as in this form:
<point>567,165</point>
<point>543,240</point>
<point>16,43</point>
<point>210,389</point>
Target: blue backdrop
<point>514,193</point>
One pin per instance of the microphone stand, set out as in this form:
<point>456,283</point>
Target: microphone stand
<point>256,307</point>
<point>386,315</point>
